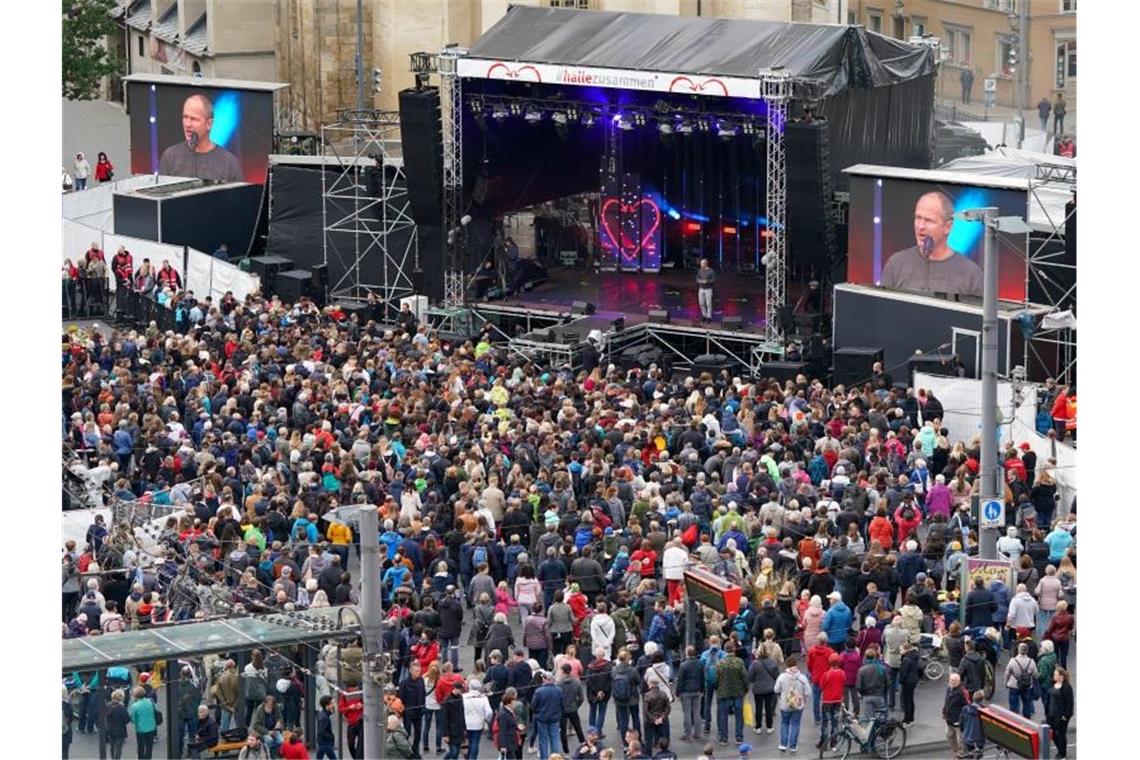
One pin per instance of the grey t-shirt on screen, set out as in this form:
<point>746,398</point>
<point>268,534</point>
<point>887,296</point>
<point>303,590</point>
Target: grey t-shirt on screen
<point>908,270</point>
<point>217,165</point>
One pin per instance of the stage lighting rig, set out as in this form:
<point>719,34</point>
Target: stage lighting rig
<point>726,129</point>
<point>533,116</point>
<point>587,119</point>
<point>664,127</point>
<point>623,122</point>
<point>639,118</point>
<point>516,109</point>
<point>499,113</point>
<point>685,127</point>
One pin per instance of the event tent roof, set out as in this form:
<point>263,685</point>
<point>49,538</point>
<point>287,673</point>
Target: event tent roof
<point>835,56</point>
<point>1046,202</point>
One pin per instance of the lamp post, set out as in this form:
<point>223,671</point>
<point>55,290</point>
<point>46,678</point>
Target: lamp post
<point>991,490</point>
<point>370,630</point>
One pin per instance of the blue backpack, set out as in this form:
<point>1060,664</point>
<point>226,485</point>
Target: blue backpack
<point>479,556</point>
<point>622,688</point>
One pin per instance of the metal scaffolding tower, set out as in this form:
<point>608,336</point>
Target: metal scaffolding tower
<point>451,112</point>
<point>776,91</point>
<point>1042,266</point>
<point>364,204</point>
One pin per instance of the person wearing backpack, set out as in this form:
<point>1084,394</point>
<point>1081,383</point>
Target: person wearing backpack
<point>709,659</point>
<point>792,688</point>
<point>1020,679</point>
<point>626,688</point>
<point>762,675</point>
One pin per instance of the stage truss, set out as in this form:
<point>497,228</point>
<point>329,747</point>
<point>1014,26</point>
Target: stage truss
<point>775,90</point>
<point>1040,265</point>
<point>359,225</point>
<point>451,111</point>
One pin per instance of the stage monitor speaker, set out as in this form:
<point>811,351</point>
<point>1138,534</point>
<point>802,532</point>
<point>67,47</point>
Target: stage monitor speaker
<point>782,372</point>
<point>294,284</point>
<point>853,364</point>
<point>421,137</point>
<point>659,316</point>
<point>569,338</point>
<point>732,323</point>
<point>320,283</point>
<point>267,268</point>
<point>714,364</point>
<point>583,307</point>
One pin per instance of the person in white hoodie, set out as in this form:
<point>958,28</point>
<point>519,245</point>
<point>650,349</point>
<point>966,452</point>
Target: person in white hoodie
<point>1009,546</point>
<point>673,564</point>
<point>82,171</point>
<point>477,714</point>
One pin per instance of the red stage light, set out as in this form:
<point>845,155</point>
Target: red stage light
<point>692,227</point>
<point>729,230</point>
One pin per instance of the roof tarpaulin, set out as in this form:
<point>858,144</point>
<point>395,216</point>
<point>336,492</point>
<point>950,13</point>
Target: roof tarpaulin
<point>1046,202</point>
<point>836,57</point>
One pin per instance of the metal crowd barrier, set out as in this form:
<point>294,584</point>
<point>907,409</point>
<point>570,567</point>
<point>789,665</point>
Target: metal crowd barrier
<point>85,298</point>
<point>141,310</point>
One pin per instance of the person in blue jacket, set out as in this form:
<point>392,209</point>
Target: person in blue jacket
<point>837,622</point>
<point>546,712</point>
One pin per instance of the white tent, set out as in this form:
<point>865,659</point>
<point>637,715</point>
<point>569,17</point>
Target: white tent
<point>1046,202</point>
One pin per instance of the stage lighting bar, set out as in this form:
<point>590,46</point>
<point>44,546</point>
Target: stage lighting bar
<point>533,116</point>
<point>499,113</point>
<point>639,118</point>
<point>572,113</point>
<point>623,122</point>
<point>729,229</point>
<point>559,118</point>
<point>726,129</point>
<point>685,127</point>
<point>692,227</point>
<point>664,127</point>
<point>587,119</point>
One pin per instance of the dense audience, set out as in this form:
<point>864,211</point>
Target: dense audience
<point>536,525</point>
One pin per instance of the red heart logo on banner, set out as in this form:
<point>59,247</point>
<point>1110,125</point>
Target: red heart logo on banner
<point>509,73</point>
<point>630,249</point>
<point>691,86</point>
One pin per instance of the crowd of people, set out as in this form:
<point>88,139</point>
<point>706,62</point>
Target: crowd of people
<point>536,526</point>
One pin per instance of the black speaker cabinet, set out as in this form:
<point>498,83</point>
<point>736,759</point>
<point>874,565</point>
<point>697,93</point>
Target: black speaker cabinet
<point>781,372</point>
<point>267,268</point>
<point>659,316</point>
<point>293,284</point>
<point>583,307</point>
<point>852,365</point>
<point>732,323</point>
<point>714,364</point>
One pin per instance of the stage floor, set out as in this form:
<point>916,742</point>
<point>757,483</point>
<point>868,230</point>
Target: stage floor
<point>633,294</point>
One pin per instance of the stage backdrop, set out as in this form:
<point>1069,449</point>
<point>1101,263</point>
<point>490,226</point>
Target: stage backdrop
<point>242,126</point>
<point>892,216</point>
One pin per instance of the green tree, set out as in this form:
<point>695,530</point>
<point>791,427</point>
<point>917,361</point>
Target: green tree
<point>85,57</point>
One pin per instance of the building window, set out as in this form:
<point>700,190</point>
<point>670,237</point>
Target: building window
<point>1066,62</point>
<point>142,46</point>
<point>1068,6</point>
<point>958,45</point>
<point>851,20</point>
<point>196,68</point>
<point>580,5</point>
<point>918,27</point>
<point>875,21</point>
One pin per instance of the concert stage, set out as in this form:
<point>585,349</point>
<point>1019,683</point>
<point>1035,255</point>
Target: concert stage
<point>633,294</point>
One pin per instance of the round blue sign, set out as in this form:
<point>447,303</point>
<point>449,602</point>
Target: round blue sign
<point>991,510</point>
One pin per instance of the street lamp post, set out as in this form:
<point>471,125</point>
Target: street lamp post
<point>991,490</point>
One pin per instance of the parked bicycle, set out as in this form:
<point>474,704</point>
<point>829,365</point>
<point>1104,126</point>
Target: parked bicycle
<point>884,737</point>
<point>931,656</point>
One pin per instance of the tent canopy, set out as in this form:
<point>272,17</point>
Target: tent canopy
<point>1046,202</point>
<point>836,57</point>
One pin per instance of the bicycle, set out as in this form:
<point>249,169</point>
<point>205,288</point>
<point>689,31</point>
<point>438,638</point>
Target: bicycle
<point>885,738</point>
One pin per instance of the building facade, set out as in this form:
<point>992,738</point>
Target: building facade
<point>978,34</point>
<point>316,40</point>
<point>212,38</point>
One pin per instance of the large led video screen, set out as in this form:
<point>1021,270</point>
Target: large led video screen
<point>903,235</point>
<point>212,133</point>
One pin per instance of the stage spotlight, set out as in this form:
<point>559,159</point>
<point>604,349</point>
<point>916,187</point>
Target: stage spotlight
<point>639,119</point>
<point>499,113</point>
<point>476,105</point>
<point>703,125</point>
<point>674,214</point>
<point>533,116</point>
<point>624,122</point>
<point>726,129</point>
<point>559,118</point>
<point>767,259</point>
<point>664,127</point>
<point>685,127</point>
<point>587,119</point>
<point>516,109</point>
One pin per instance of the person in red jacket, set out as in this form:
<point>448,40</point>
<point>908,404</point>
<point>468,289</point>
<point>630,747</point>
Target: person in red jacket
<point>906,526</point>
<point>818,662</point>
<point>352,709</point>
<point>832,685</point>
<point>168,277</point>
<point>1059,632</point>
<point>295,748</point>
<point>104,171</point>
<point>123,267</point>
<point>1060,413</point>
<point>647,557</point>
<point>880,529</point>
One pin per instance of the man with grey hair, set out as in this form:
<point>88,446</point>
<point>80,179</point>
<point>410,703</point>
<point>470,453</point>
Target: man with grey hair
<point>956,698</point>
<point>931,265</point>
<point>198,155</point>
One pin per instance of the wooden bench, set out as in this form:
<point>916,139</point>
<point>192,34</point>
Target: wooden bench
<point>222,749</point>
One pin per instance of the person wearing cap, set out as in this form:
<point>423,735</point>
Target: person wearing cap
<point>910,674</point>
<point>837,621</point>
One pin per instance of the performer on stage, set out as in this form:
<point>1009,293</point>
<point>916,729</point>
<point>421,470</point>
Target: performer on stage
<point>931,265</point>
<point>705,279</point>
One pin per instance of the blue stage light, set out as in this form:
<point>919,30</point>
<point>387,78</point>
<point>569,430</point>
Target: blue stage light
<point>227,117</point>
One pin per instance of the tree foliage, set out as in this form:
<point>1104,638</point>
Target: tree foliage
<point>86,60</point>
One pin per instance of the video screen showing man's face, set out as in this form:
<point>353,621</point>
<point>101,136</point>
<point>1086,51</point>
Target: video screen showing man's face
<point>903,234</point>
<point>215,134</point>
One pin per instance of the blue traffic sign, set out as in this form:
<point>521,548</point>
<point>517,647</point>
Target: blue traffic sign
<point>992,510</point>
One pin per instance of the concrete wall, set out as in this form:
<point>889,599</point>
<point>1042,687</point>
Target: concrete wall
<point>241,27</point>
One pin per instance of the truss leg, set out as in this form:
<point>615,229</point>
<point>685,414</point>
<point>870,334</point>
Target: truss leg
<point>775,90</point>
<point>451,111</point>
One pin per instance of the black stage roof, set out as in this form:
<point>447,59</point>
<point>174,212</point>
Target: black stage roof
<point>837,57</point>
